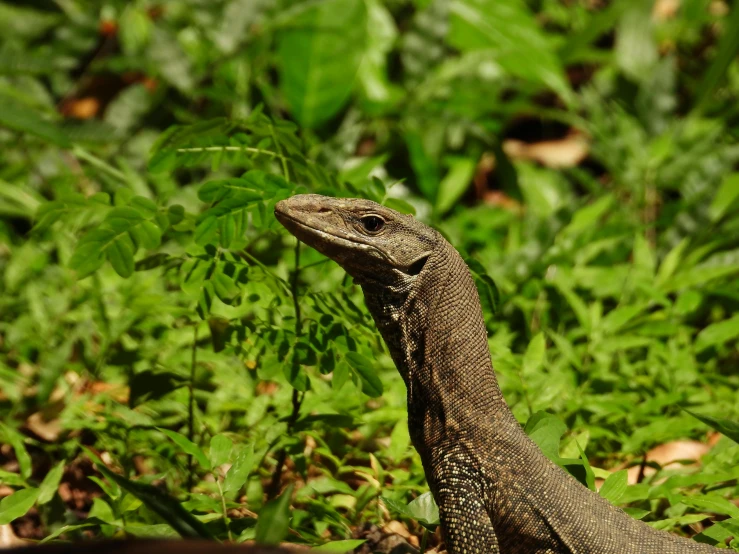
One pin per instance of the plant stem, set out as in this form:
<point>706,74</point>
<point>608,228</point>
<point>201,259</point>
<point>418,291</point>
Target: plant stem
<point>191,405</point>
<point>223,507</point>
<point>297,398</point>
<point>424,540</point>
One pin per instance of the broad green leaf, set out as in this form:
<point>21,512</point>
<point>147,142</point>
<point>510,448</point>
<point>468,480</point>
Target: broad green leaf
<point>367,372</point>
<point>728,48</point>
<point>159,502</point>
<point>220,450</point>
<point>486,288</point>
<point>274,519</point>
<point>717,333</point>
<point>11,479</point>
<point>724,426</point>
<point>381,36</point>
<point>510,31</point>
<point>636,49</point>
<point>124,231</point>
<point>726,196</point>
<point>670,262</point>
<point>455,183</point>
<point>102,511</point>
<point>16,440</point>
<point>546,430</point>
<point>18,117</point>
<point>50,484</point>
<point>576,303</point>
<point>17,504</point>
<point>151,531</point>
<point>533,359</point>
<point>239,471</point>
<point>713,503</point>
<point>424,510</point>
<point>340,547</point>
<point>700,276</point>
<point>316,81</point>
<point>400,206</point>
<point>615,486</point>
<point>588,217</point>
<point>187,446</point>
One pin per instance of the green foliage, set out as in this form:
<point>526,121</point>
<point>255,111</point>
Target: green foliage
<point>230,383</point>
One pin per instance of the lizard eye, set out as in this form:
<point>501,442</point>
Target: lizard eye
<point>372,223</point>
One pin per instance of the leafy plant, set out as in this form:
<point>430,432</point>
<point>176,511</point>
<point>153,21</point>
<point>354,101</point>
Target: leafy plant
<point>228,383</point>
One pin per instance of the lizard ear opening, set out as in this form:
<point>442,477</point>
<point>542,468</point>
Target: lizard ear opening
<point>416,267</point>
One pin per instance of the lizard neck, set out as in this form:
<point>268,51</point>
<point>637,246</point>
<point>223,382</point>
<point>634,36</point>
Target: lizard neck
<point>435,331</point>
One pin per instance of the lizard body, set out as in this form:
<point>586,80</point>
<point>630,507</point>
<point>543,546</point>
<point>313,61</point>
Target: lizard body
<point>496,490</point>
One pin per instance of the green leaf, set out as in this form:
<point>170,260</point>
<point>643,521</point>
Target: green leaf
<point>615,486</point>
<point>239,471</point>
<point>89,522</point>
<point>670,263</point>
<point>400,206</point>
<point>424,510</point>
<point>11,479</point>
<point>636,49</point>
<point>486,288</point>
<point>589,216</point>
<point>187,446</point>
<point>50,484</point>
<point>220,450</point>
<point>728,49</point>
<point>16,440</point>
<point>533,359</point>
<point>712,503</point>
<point>455,183</point>
<point>510,32</point>
<point>726,196</point>
<point>723,426</point>
<point>546,430</point>
<point>340,547</point>
<point>17,504</point>
<point>589,475</point>
<point>717,333</point>
<point>274,519</point>
<point>367,372</point>
<point>124,230</point>
<point>157,501</point>
<point>17,116</point>
<point>316,81</point>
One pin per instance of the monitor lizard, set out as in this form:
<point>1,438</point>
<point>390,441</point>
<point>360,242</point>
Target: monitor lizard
<point>496,490</point>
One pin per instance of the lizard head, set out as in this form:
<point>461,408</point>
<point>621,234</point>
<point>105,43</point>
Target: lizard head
<point>371,242</point>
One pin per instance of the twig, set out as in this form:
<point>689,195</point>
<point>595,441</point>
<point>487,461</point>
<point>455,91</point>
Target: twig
<point>297,399</point>
<point>191,405</point>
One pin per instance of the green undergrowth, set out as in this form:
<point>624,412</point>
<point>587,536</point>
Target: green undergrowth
<point>173,363</point>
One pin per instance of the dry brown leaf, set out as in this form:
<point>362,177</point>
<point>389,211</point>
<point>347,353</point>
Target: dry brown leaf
<point>45,428</point>
<point>669,455</point>
<point>8,538</point>
<point>502,200</point>
<point>565,152</point>
<point>398,528</point>
<point>665,9</point>
<point>81,108</point>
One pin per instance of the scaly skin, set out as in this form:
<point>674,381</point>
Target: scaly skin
<point>495,489</point>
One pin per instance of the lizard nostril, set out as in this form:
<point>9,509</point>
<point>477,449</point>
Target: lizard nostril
<point>323,210</point>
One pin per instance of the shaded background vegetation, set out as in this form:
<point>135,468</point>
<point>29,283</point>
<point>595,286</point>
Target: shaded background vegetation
<point>158,327</point>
